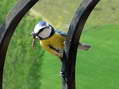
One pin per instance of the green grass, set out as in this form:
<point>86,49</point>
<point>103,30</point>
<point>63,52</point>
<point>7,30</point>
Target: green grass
<point>26,68</point>
<point>96,68</point>
<point>60,12</point>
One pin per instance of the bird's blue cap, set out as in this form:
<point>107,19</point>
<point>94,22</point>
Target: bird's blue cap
<point>40,25</point>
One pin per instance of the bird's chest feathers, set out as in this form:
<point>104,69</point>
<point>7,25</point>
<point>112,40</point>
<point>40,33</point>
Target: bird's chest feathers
<point>56,41</point>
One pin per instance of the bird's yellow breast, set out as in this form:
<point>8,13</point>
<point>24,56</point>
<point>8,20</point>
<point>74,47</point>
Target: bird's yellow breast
<point>56,41</point>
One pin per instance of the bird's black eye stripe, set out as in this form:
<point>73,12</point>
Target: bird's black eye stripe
<point>37,34</point>
<point>40,31</point>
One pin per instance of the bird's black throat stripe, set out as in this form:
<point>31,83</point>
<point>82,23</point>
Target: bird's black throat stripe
<point>54,48</point>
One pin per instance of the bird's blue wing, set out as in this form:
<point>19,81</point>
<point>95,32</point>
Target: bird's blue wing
<point>62,33</point>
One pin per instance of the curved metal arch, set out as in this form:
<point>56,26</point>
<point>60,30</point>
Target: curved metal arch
<point>74,34</point>
<point>7,29</point>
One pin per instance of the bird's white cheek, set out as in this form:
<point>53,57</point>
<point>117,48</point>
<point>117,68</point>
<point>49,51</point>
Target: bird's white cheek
<point>45,33</point>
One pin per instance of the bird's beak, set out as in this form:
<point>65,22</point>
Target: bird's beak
<point>33,41</point>
<point>33,34</point>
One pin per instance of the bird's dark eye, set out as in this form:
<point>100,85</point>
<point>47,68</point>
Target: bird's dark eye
<point>33,34</point>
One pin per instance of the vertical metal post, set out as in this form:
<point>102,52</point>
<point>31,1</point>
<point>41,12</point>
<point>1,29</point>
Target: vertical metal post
<point>74,34</point>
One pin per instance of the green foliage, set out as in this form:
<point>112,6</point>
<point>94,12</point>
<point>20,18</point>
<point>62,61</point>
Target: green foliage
<point>22,67</point>
<point>5,6</point>
<point>23,64</point>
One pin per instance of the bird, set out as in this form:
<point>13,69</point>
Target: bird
<point>51,39</point>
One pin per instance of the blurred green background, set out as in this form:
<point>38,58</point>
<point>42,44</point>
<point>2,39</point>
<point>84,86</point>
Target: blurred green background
<point>28,68</point>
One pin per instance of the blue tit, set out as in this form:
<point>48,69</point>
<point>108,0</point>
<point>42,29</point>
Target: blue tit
<point>51,39</point>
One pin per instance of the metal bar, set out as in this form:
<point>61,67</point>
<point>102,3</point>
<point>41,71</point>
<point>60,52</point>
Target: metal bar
<point>8,28</point>
<point>74,34</point>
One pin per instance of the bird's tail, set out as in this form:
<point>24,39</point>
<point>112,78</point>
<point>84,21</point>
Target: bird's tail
<point>83,46</point>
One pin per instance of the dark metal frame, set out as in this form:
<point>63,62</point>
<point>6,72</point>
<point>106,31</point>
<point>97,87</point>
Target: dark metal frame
<point>69,60</point>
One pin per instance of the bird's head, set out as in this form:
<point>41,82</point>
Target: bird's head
<point>42,30</point>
